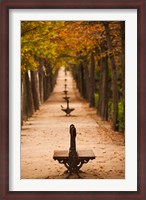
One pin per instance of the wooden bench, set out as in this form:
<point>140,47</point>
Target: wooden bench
<point>72,159</point>
<point>66,98</point>
<point>65,85</point>
<point>67,110</point>
<point>65,92</point>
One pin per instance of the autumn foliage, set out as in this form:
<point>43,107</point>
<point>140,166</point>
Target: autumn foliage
<point>93,50</point>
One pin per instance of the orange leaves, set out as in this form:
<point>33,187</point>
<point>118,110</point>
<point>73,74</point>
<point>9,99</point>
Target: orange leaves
<point>52,39</point>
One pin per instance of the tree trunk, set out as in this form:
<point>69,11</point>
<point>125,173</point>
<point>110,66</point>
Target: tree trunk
<point>35,85</point>
<point>44,88</point>
<point>86,79</point>
<point>92,82</point>
<point>100,88</point>
<point>28,96</point>
<point>41,75</point>
<point>82,80</point>
<point>123,60</point>
<point>103,89</point>
<point>104,86</point>
<point>23,100</point>
<point>114,78</point>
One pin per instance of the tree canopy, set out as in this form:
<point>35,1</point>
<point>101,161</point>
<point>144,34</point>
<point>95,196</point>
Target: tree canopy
<point>62,41</point>
<point>94,51</point>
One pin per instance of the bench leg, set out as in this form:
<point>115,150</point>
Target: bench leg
<point>70,173</point>
<point>78,175</point>
<point>73,166</point>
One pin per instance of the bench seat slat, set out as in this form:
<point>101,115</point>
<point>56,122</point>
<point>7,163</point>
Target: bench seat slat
<point>64,154</point>
<point>61,153</point>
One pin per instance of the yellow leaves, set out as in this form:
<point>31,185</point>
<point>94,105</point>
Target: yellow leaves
<point>28,62</point>
<point>53,39</point>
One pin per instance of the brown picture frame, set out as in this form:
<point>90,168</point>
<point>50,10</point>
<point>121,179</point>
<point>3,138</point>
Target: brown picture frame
<point>140,5</point>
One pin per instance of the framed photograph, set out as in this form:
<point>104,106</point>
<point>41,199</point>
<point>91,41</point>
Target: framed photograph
<point>37,37</point>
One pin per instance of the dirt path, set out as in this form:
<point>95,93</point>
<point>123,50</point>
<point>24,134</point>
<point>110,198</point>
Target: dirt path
<point>48,130</point>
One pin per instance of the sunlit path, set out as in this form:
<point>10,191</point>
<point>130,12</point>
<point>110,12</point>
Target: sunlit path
<point>48,130</point>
